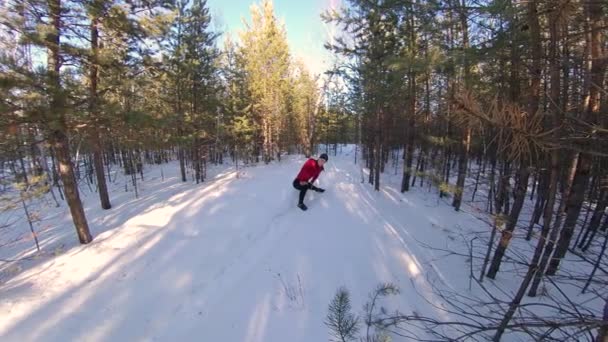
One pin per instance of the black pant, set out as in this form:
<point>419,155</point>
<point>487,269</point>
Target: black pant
<point>302,188</point>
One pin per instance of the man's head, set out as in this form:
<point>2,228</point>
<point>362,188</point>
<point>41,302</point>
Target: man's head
<point>322,159</point>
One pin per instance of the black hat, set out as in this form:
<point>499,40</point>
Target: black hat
<point>323,156</point>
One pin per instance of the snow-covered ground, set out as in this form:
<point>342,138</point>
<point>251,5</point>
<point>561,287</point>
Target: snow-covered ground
<point>233,259</point>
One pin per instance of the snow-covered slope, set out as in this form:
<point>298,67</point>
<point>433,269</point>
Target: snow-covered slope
<point>234,260</point>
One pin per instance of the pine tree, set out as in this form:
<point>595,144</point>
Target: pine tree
<point>265,56</point>
<point>190,61</point>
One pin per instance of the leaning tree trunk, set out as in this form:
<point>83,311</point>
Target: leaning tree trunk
<point>533,267</point>
<point>507,233</point>
<point>70,187</point>
<point>574,204</point>
<point>57,134</point>
<point>595,221</point>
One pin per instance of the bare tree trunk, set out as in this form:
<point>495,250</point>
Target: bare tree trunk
<point>477,182</point>
<point>29,220</point>
<point>95,139</point>
<point>554,231</point>
<point>462,168</point>
<point>533,268</point>
<point>58,133</point>
<point>557,117</point>
<point>197,161</point>
<point>182,163</point>
<point>597,263</point>
<point>465,143</point>
<point>372,155</point>
<point>532,15</point>
<point>66,171</point>
<point>595,221</point>
<point>543,187</point>
<point>416,169</point>
<point>574,201</point>
<point>55,168</point>
<point>447,168</point>
<point>534,185</point>
<point>507,234</point>
<point>503,186</point>
<point>378,160</point>
<point>583,170</point>
<point>407,171</point>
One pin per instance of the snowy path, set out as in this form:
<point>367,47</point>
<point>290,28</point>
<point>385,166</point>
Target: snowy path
<point>235,260</point>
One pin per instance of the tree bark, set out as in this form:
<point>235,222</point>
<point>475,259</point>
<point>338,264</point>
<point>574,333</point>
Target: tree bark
<point>182,162</point>
<point>465,143</point>
<point>583,170</point>
<point>409,159</point>
<point>94,131</point>
<point>557,117</point>
<point>595,221</point>
<point>58,126</point>
<point>507,234</point>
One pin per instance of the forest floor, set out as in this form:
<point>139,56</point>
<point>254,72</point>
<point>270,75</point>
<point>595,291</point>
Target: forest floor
<point>234,259</point>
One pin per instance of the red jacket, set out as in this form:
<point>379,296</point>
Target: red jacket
<point>310,169</point>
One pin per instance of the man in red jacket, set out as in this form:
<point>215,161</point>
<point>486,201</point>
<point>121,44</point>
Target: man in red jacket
<point>308,174</point>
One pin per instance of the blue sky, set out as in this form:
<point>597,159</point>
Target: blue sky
<point>306,32</point>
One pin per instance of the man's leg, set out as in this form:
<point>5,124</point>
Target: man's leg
<point>303,190</point>
<point>314,188</point>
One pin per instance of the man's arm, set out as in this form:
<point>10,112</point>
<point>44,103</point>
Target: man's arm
<point>315,177</point>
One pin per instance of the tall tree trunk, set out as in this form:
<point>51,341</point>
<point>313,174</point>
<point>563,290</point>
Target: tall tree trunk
<point>465,143</point>
<point>583,170</point>
<point>507,233</point>
<point>426,128</point>
<point>554,231</point>
<point>55,168</point>
<point>407,170</point>
<point>573,204</point>
<point>504,185</point>
<point>500,199</point>
<point>93,109</point>
<point>197,161</point>
<point>409,159</point>
<point>533,267</point>
<point>58,131</point>
<point>557,117</point>
<point>378,156</point>
<point>543,188</point>
<point>372,154</point>
<point>70,187</point>
<point>462,168</point>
